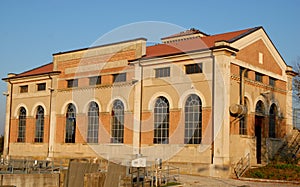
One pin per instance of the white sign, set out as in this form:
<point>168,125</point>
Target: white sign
<point>139,162</point>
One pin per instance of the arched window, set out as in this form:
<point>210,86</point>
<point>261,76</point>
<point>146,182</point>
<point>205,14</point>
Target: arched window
<point>93,123</point>
<point>193,120</point>
<point>243,121</point>
<point>39,125</point>
<point>70,124</point>
<point>22,125</point>
<point>118,122</point>
<point>161,121</point>
<point>272,121</point>
<point>260,109</point>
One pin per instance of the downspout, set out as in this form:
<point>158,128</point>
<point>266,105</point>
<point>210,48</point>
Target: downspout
<point>9,121</point>
<point>242,87</point>
<point>141,105</point>
<point>50,112</point>
<point>213,105</point>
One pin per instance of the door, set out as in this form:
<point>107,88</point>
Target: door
<point>258,125</point>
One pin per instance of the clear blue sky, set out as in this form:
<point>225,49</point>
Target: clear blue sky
<point>31,31</point>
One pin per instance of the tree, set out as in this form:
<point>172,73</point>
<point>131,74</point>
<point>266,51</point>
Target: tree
<point>296,84</point>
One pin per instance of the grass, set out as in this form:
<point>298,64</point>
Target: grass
<point>289,172</point>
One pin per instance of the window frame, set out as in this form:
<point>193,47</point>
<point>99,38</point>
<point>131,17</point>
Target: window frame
<point>24,89</point>
<point>272,81</point>
<point>193,129</point>
<point>259,77</point>
<point>118,120</point>
<point>93,123</point>
<point>22,125</point>
<point>119,77</point>
<point>193,68</point>
<point>162,72</point>
<point>39,125</point>
<point>70,133</point>
<point>161,121</point>
<point>95,80</point>
<point>41,86</point>
<point>72,83</point>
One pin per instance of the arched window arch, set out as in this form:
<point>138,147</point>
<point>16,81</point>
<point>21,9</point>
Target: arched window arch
<point>272,121</point>
<point>22,125</point>
<point>70,124</point>
<point>193,120</point>
<point>243,120</point>
<point>118,122</point>
<point>161,121</point>
<point>39,125</point>
<point>93,123</point>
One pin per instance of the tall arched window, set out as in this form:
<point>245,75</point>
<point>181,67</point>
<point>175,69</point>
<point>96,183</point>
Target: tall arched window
<point>272,121</point>
<point>118,122</point>
<point>22,125</point>
<point>161,121</point>
<point>193,120</point>
<point>39,125</point>
<point>93,123</point>
<point>70,124</point>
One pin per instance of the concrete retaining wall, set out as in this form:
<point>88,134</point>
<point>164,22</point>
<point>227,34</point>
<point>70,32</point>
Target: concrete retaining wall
<point>30,180</point>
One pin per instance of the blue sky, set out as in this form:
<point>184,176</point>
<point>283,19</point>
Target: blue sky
<point>31,31</point>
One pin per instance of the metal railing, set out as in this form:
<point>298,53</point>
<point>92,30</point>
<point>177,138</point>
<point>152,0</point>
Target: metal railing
<point>242,165</point>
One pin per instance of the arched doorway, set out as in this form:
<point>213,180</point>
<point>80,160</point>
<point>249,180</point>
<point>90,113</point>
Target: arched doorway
<point>259,120</point>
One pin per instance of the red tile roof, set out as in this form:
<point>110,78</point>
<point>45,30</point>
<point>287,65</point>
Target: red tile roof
<point>205,42</point>
<point>48,68</point>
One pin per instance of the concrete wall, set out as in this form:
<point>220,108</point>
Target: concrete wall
<point>30,180</point>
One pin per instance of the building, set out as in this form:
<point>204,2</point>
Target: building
<point>201,102</point>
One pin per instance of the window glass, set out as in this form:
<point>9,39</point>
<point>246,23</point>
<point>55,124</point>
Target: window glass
<point>24,89</point>
<point>72,83</point>
<point>120,77</point>
<point>22,125</point>
<point>118,122</point>
<point>161,121</point>
<point>193,120</point>
<point>193,68</point>
<point>39,125</point>
<point>93,123</point>
<point>41,86</point>
<point>162,72</point>
<point>95,80</point>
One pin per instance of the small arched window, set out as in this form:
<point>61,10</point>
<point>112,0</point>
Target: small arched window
<point>39,125</point>
<point>22,125</point>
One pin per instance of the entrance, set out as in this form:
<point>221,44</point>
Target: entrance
<point>258,125</point>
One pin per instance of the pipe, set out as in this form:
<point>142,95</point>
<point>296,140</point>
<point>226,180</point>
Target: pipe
<point>9,120</point>
<point>50,108</point>
<point>242,87</point>
<point>213,103</point>
<point>141,105</point>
